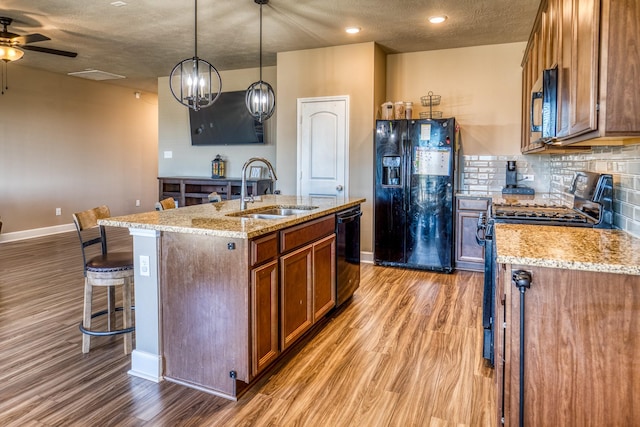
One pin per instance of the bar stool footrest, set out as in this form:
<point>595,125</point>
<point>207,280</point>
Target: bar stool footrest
<point>106,333</point>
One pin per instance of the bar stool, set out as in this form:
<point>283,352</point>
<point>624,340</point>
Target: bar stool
<point>109,269</point>
<point>164,204</point>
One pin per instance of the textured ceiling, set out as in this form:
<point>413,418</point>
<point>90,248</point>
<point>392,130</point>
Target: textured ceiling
<point>145,38</point>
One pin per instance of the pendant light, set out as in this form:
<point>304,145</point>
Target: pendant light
<point>260,99</point>
<point>194,82</point>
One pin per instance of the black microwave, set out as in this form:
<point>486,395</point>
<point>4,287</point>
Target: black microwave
<point>544,106</point>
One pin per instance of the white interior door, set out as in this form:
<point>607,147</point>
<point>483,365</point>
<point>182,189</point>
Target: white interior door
<point>323,147</point>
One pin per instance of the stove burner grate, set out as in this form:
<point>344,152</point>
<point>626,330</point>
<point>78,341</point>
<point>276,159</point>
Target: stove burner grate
<point>542,216</point>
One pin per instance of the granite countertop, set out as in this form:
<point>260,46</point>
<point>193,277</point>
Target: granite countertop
<point>575,248</point>
<point>213,218</point>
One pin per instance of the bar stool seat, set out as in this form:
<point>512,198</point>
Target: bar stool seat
<point>109,270</point>
<point>164,204</point>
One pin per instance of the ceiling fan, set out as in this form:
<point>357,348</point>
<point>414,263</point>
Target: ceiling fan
<point>12,40</point>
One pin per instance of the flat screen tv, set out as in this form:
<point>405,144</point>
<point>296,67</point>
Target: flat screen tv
<point>226,122</point>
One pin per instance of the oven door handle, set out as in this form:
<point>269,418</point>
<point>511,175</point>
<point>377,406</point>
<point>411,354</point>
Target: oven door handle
<point>481,228</point>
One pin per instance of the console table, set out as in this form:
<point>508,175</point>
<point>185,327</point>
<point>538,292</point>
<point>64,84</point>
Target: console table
<point>194,190</point>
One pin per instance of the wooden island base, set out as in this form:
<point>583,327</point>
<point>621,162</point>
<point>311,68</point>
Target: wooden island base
<point>231,307</point>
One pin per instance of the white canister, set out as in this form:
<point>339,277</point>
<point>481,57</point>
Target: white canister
<point>386,111</point>
<point>399,110</point>
<point>408,110</point>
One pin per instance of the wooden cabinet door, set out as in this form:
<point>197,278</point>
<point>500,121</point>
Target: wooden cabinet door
<point>264,316</point>
<point>324,276</point>
<point>578,79</point>
<point>582,339</point>
<point>469,254</point>
<point>501,330</point>
<point>296,269</point>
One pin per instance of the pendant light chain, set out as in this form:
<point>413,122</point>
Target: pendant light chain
<point>195,30</point>
<point>194,82</point>
<point>260,97</point>
<point>261,41</point>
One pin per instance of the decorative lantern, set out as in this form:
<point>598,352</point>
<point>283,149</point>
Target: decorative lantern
<point>217,167</point>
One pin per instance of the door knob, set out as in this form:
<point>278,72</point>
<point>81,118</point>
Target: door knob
<point>339,187</point>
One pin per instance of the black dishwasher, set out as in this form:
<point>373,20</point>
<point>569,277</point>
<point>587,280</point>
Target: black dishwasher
<point>347,253</point>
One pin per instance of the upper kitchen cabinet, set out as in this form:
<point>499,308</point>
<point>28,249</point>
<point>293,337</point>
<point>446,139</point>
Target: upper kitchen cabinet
<point>594,45</point>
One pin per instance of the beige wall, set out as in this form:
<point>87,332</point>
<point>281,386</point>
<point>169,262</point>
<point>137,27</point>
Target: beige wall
<point>191,160</point>
<point>480,87</point>
<point>342,70</point>
<point>72,144</point>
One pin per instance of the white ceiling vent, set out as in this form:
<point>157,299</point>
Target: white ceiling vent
<point>96,75</point>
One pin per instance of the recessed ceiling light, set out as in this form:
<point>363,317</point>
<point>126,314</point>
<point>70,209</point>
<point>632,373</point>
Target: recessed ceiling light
<point>353,30</point>
<point>118,3</point>
<point>439,19</point>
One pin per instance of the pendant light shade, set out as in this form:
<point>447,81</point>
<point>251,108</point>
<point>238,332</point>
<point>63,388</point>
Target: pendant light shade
<point>260,98</point>
<point>194,82</point>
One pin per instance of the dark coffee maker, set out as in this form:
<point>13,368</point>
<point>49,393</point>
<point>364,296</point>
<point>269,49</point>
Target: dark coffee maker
<point>512,179</point>
<point>512,186</point>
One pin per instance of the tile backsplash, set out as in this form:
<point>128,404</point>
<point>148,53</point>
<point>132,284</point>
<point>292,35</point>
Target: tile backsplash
<point>554,173</point>
<point>487,174</point>
<point>622,162</point>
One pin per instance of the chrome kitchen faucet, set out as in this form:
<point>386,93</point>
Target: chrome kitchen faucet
<point>243,190</point>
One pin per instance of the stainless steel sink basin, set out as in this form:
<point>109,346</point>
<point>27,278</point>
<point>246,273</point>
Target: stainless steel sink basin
<point>286,211</point>
<point>262,216</point>
<point>273,212</point>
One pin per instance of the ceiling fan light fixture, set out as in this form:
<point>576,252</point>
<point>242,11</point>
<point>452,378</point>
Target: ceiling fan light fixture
<point>260,98</point>
<point>438,19</point>
<point>194,82</point>
<point>8,54</point>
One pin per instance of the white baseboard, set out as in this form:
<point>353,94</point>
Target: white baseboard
<point>146,365</point>
<point>366,257</point>
<point>36,232</point>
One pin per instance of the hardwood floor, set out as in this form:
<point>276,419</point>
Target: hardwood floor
<point>405,352</point>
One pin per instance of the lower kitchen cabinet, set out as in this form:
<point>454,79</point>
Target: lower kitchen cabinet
<point>581,346</point>
<point>264,315</point>
<point>231,306</point>
<point>469,254</point>
<point>308,287</point>
<point>324,276</point>
<point>297,290</point>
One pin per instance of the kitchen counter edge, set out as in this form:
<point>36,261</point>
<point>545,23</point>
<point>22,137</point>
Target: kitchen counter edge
<point>213,219</point>
<point>574,248</point>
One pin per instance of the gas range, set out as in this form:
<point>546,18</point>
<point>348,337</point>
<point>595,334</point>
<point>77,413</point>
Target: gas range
<point>592,207</point>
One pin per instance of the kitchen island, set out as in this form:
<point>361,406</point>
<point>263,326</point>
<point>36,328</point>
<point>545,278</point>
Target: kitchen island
<point>221,294</point>
<point>568,319</point>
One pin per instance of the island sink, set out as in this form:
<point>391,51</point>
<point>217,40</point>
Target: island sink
<point>273,212</point>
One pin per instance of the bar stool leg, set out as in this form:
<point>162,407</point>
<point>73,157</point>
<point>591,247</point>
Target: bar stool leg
<point>111,308</point>
<point>126,314</point>
<point>86,322</point>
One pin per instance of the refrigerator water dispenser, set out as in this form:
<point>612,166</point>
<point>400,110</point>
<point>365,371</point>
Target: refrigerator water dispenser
<point>391,172</point>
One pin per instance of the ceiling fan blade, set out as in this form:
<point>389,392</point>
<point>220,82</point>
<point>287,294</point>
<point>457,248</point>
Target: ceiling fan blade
<point>30,38</point>
<point>52,51</point>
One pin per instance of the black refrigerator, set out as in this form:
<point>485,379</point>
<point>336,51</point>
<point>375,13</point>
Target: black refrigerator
<point>414,187</point>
